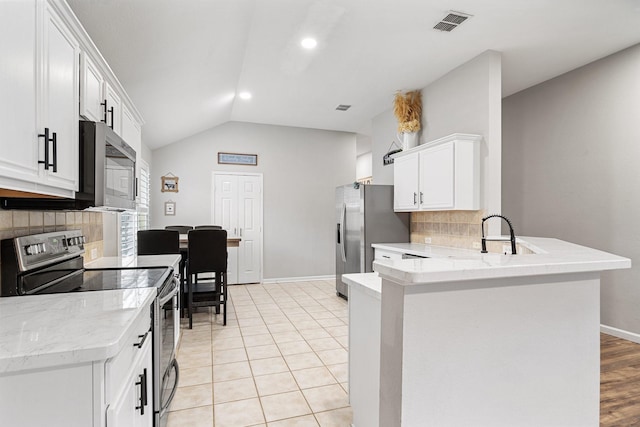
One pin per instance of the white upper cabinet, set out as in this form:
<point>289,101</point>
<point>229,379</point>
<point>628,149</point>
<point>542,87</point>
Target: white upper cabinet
<point>39,100</point>
<point>405,179</point>
<point>114,108</point>
<point>18,135</point>
<point>92,105</point>
<point>50,76</point>
<point>59,101</point>
<point>440,175</point>
<point>131,131</point>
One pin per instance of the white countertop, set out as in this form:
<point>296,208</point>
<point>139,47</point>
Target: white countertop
<point>369,283</point>
<point>61,329</point>
<point>552,256</point>
<point>134,261</point>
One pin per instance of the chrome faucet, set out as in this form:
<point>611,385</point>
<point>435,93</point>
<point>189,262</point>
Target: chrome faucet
<point>512,239</point>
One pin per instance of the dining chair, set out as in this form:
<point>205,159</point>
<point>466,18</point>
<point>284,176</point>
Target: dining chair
<point>208,227</point>
<point>158,242</point>
<point>182,229</point>
<point>207,254</point>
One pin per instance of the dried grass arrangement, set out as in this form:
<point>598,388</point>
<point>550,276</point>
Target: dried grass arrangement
<point>408,109</point>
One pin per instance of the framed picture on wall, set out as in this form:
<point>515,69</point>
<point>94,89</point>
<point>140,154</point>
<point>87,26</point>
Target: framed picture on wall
<point>169,184</point>
<point>169,208</point>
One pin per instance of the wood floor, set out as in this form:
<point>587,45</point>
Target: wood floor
<point>619,382</point>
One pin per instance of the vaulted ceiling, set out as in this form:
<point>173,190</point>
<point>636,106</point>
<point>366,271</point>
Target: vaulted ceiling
<point>183,62</point>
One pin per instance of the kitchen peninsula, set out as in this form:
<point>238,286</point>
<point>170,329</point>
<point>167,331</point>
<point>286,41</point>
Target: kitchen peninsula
<point>482,339</point>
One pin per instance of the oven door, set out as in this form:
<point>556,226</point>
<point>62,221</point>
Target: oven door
<point>167,371</point>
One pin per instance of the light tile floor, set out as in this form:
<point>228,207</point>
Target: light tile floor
<point>281,360</point>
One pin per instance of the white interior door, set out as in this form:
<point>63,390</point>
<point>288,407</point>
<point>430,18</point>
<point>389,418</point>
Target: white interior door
<point>250,223</point>
<point>237,207</point>
<point>225,203</point>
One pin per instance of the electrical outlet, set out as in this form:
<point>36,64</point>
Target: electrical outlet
<point>475,245</point>
<point>506,249</point>
<point>94,253</point>
<point>427,239</point>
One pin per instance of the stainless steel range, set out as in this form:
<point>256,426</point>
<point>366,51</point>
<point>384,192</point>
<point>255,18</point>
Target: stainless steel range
<point>52,263</point>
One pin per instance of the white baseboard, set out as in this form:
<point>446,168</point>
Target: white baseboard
<point>298,279</point>
<point>620,333</point>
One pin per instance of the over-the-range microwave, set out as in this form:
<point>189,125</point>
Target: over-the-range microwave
<point>107,174</point>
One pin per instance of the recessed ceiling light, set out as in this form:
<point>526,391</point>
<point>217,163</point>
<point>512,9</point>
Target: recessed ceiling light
<point>309,43</point>
<point>245,95</point>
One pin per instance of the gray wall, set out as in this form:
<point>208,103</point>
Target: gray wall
<point>571,148</point>
<point>465,100</point>
<point>300,167</point>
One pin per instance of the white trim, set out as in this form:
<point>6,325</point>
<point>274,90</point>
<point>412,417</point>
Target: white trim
<point>298,279</point>
<point>620,333</point>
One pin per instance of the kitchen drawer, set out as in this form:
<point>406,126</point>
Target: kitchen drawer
<point>117,368</point>
<point>384,254</point>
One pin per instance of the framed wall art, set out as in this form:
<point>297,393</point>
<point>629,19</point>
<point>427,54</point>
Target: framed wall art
<point>169,208</point>
<point>238,159</point>
<point>169,183</point>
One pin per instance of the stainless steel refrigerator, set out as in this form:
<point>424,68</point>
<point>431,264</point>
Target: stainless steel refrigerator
<point>364,215</point>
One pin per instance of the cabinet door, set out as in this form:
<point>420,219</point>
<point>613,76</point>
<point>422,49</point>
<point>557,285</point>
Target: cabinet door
<point>437,177</point>
<point>131,130</point>
<point>405,183</point>
<point>91,87</point>
<point>18,136</point>
<point>250,223</point>
<point>114,109</point>
<point>59,100</point>
<point>134,406</point>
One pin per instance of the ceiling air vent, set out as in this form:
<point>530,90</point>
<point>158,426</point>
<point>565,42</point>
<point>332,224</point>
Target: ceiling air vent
<point>343,107</point>
<point>451,21</point>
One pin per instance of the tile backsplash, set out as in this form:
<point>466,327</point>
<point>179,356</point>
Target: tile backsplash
<point>455,229</point>
<point>16,223</point>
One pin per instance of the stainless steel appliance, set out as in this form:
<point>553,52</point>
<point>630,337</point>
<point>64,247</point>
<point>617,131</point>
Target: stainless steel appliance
<point>364,216</point>
<point>107,172</point>
<point>52,263</point>
<point>107,168</point>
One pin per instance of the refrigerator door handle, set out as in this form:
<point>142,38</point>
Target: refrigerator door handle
<point>343,218</point>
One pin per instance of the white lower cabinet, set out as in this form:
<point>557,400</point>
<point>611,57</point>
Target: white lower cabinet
<point>132,404</point>
<point>117,392</point>
<point>439,175</point>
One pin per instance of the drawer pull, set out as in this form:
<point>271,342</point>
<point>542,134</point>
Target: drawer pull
<point>386,256</point>
<point>141,343</point>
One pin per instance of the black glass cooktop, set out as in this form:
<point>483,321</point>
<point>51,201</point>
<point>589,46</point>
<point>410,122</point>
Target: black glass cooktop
<point>102,280</point>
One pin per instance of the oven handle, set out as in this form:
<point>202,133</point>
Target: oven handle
<point>173,291</point>
<point>165,408</point>
<point>53,282</point>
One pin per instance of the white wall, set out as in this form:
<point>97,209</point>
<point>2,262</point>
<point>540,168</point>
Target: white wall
<point>465,100</point>
<point>571,149</point>
<point>363,166</point>
<point>301,168</point>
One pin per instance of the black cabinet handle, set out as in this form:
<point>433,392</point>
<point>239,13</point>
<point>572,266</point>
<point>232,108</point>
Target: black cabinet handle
<point>421,199</point>
<point>45,135</point>
<point>141,343</point>
<point>104,104</point>
<point>111,112</point>
<point>136,187</point>
<point>415,202</point>
<point>47,140</point>
<point>143,391</point>
<point>55,152</point>
<point>338,235</point>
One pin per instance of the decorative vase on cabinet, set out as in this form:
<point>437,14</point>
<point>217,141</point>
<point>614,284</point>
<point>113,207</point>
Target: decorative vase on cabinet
<point>408,140</point>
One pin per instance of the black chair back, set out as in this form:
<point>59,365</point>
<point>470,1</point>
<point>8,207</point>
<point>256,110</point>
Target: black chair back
<point>207,251</point>
<point>208,227</point>
<point>158,242</point>
<point>182,229</point>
